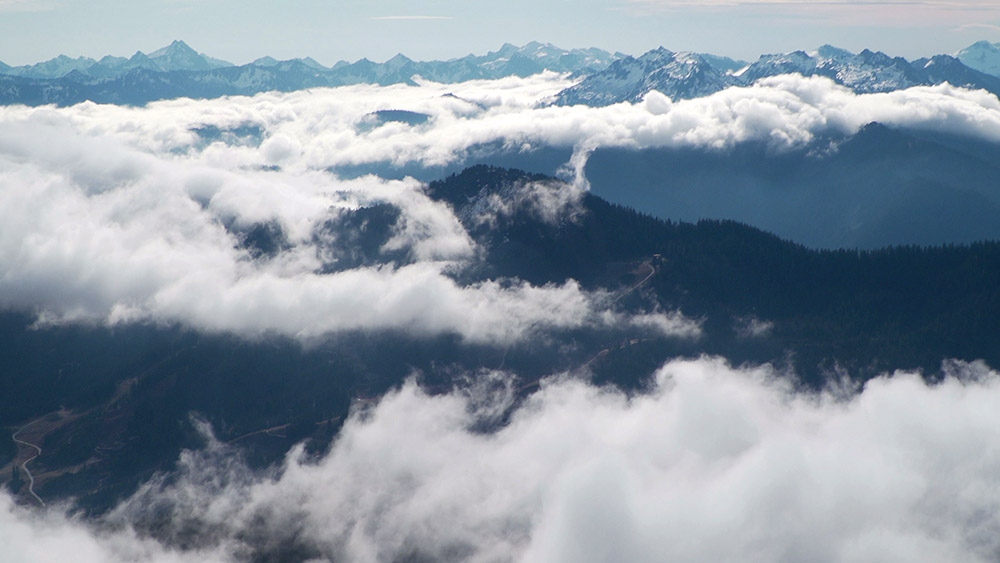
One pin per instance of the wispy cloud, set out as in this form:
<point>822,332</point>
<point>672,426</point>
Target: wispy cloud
<point>976,26</point>
<point>388,18</point>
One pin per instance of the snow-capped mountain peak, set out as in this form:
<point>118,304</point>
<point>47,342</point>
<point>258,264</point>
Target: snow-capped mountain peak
<point>982,56</point>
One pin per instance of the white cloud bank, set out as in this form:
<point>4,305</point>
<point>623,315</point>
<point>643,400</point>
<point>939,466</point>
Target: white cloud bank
<point>710,464</point>
<point>115,214</point>
<point>110,228</point>
<point>316,129</point>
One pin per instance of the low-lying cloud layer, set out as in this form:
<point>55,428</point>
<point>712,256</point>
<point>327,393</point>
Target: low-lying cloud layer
<point>97,227</point>
<point>319,128</point>
<point>114,214</point>
<point>710,464</point>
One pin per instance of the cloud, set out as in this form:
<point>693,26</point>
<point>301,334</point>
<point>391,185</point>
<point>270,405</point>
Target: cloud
<point>669,324</point>
<point>711,463</point>
<point>752,327</point>
<point>550,202</point>
<point>92,230</point>
<point>786,111</point>
<point>39,536</point>
<point>383,18</point>
<point>119,214</point>
<point>976,26</point>
<point>130,226</point>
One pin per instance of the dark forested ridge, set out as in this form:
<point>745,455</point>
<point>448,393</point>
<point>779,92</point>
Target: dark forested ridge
<point>870,310</point>
<point>879,187</point>
<point>118,400</point>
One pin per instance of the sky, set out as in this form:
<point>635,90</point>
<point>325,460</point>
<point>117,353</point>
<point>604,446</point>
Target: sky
<point>241,31</point>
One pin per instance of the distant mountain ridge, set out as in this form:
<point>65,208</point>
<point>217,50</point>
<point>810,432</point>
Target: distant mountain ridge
<point>178,70</point>
<point>176,56</point>
<point>685,75</point>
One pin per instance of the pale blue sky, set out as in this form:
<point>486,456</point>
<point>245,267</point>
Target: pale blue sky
<point>242,30</point>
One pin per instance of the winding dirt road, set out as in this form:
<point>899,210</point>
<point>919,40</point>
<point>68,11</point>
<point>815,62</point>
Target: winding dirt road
<point>24,465</point>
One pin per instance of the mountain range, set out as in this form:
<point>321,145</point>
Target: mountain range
<point>685,75</point>
<point>177,70</point>
<point>176,56</point>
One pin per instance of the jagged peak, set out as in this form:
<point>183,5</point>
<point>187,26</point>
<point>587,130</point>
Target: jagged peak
<point>176,47</point>
<point>399,58</point>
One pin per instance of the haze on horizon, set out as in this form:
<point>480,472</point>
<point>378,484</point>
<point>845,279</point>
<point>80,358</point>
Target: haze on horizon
<point>37,30</point>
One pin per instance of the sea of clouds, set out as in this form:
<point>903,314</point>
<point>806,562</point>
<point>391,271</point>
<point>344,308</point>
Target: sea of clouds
<point>117,214</point>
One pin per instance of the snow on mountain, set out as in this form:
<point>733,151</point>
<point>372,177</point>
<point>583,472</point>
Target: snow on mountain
<point>785,63</point>
<point>690,75</point>
<point>865,72</point>
<point>982,56</point>
<point>179,70</point>
<point>535,57</point>
<point>678,75</point>
<point>869,72</point>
